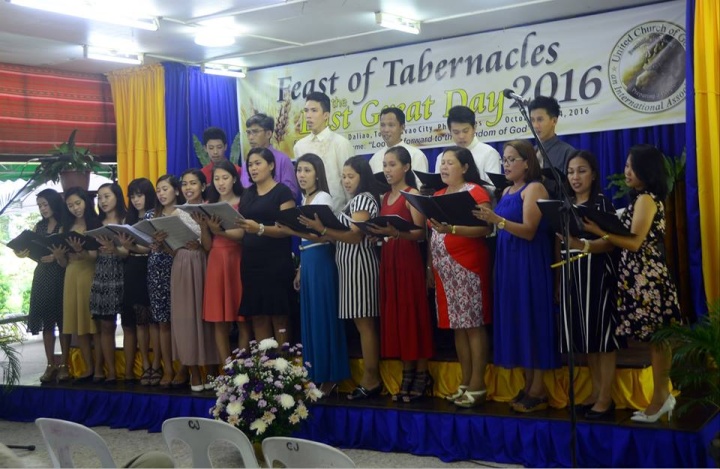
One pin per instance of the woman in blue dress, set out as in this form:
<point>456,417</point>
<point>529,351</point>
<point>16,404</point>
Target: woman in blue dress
<point>525,332</point>
<point>322,332</point>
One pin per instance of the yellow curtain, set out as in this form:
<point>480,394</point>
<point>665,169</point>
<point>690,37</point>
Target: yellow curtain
<point>139,97</point>
<point>707,132</point>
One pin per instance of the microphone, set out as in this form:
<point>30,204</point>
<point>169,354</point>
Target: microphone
<point>508,93</point>
<point>51,159</point>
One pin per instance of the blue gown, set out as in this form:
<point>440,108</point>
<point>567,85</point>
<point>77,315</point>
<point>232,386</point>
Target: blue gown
<point>322,332</point>
<point>525,331</point>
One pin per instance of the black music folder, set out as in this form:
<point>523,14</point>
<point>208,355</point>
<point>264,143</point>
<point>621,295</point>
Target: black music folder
<point>451,209</point>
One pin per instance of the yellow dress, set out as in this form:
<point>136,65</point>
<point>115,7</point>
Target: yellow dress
<point>76,297</point>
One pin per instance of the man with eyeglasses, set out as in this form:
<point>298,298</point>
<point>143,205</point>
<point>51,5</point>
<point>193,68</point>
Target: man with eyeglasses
<point>215,143</point>
<point>462,126</point>
<point>259,130</point>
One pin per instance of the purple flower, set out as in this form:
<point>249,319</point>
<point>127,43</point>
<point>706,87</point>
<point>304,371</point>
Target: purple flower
<point>262,403</point>
<point>259,387</point>
<point>273,410</point>
<point>298,387</point>
<point>278,384</point>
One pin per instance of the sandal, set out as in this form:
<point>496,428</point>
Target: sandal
<point>63,373</point>
<point>530,404</point>
<point>518,397</point>
<point>456,395</point>
<point>408,376</point>
<point>155,376</point>
<point>471,399</point>
<point>362,392</point>
<point>423,385</point>
<point>50,374</point>
<point>146,376</point>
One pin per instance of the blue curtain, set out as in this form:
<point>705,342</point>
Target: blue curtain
<point>697,287</point>
<point>193,102</point>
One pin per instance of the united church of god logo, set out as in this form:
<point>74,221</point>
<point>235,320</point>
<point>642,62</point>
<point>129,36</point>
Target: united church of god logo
<point>647,67</point>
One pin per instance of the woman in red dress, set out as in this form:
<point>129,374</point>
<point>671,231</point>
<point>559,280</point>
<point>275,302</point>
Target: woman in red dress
<point>405,330</point>
<point>460,261</point>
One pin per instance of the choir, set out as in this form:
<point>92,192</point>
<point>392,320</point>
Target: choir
<point>185,301</point>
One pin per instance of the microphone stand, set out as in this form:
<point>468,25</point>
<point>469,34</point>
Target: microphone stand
<point>566,212</point>
<point>23,189</point>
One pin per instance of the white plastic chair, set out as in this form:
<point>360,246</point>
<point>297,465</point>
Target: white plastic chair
<point>297,452</point>
<point>200,433</point>
<point>60,435</point>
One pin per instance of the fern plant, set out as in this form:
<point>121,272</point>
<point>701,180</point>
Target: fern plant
<point>204,158</point>
<point>674,168</point>
<point>70,158</point>
<point>696,357</point>
<point>9,356</point>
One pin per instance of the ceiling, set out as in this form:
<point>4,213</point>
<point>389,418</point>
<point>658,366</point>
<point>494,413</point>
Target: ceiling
<point>273,31</point>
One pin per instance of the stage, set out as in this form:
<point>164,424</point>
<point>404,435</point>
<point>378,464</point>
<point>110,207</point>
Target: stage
<point>431,426</point>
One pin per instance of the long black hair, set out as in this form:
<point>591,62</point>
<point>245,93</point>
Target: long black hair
<point>589,157</point>
<point>316,162</point>
<point>368,183</point>
<point>91,218</point>
<point>403,156</point>
<point>211,192</point>
<point>140,186</point>
<point>55,202</point>
<point>120,207</point>
<point>648,164</point>
<point>265,154</point>
<point>173,181</point>
<point>465,157</point>
<point>199,175</point>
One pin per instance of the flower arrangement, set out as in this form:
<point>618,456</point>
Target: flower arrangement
<point>264,390</point>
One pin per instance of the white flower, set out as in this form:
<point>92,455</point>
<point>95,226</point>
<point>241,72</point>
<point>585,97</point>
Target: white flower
<point>302,411</point>
<point>240,379</point>
<point>294,419</point>
<point>313,394</point>
<point>266,344</point>
<point>268,417</point>
<point>234,408</point>
<point>281,364</point>
<point>286,401</point>
<point>259,426</point>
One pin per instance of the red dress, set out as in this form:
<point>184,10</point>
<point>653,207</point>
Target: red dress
<point>462,275</point>
<point>405,329</point>
<point>223,287</point>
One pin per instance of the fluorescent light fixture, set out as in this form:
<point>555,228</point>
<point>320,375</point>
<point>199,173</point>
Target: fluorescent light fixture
<point>92,10</point>
<point>213,38</point>
<point>110,55</point>
<point>399,23</point>
<point>225,70</point>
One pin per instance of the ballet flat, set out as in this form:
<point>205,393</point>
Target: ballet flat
<point>197,388</point>
<point>456,395</point>
<point>600,415</point>
<point>667,408</point>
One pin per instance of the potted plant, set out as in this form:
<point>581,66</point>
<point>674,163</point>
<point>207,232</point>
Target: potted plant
<point>204,158</point>
<point>9,356</point>
<point>70,165</point>
<point>695,365</point>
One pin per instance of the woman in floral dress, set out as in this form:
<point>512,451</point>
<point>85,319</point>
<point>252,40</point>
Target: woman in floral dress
<point>647,294</point>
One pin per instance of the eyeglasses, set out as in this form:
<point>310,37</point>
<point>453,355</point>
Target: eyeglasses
<point>507,161</point>
<point>254,131</point>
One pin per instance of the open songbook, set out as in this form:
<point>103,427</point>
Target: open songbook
<point>113,230</point>
<point>289,218</point>
<point>222,210</point>
<point>61,239</point>
<point>396,221</point>
<point>30,241</point>
<point>179,234</point>
<point>608,222</point>
<point>451,209</point>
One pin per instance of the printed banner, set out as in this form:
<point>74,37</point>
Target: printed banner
<point>614,70</point>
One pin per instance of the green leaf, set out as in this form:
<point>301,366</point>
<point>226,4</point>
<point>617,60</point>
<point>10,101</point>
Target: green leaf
<point>235,150</point>
<point>200,151</point>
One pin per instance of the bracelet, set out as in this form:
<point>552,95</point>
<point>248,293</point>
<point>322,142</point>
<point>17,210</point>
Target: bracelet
<point>397,235</point>
<point>261,230</point>
<point>453,229</point>
<point>586,245</point>
<point>324,231</point>
<point>605,237</point>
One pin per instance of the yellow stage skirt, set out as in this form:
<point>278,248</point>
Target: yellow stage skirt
<point>632,388</point>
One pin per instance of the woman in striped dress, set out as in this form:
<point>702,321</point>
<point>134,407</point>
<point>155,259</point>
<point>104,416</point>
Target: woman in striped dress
<point>358,268</point>
<point>593,295</point>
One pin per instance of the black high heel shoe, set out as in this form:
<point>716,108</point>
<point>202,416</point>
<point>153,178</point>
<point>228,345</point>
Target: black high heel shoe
<point>361,392</point>
<point>408,376</point>
<point>422,386</point>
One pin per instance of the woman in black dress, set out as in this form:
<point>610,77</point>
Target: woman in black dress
<point>593,295</point>
<point>46,295</point>
<point>266,269</point>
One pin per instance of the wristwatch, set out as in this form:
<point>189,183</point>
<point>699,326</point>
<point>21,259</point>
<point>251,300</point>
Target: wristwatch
<point>501,225</point>
<point>261,230</point>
